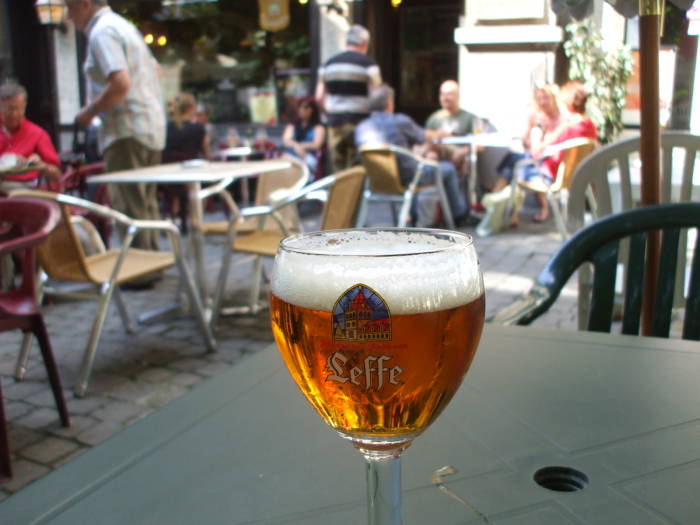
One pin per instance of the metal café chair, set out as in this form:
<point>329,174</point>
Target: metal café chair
<point>24,223</point>
<point>599,245</point>
<point>384,183</point>
<point>573,152</point>
<point>271,187</point>
<point>344,191</point>
<point>63,259</point>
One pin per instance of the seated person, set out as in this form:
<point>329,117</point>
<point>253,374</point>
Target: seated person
<point>23,138</point>
<point>305,137</point>
<point>455,121</point>
<point>574,123</point>
<point>386,127</point>
<point>202,115</point>
<point>544,119</point>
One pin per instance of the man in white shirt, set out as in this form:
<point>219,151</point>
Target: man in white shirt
<point>124,91</point>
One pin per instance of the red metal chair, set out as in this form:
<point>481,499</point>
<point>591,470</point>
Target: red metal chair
<point>24,223</point>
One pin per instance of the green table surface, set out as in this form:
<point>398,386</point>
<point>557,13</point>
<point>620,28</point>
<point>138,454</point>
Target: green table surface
<point>245,447</point>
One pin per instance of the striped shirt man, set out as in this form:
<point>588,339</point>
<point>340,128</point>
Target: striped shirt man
<point>348,77</point>
<point>343,89</point>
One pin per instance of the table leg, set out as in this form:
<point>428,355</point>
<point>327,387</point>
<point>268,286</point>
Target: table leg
<point>197,241</point>
<point>473,175</point>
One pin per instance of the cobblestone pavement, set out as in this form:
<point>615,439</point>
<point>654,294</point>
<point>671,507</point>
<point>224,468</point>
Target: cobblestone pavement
<point>135,374</point>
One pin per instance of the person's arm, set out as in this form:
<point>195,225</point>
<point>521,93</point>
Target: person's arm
<point>288,136</point>
<point>527,134</point>
<point>320,95</point>
<point>117,87</point>
<point>206,151</point>
<point>558,135</point>
<point>319,138</point>
<point>46,153</point>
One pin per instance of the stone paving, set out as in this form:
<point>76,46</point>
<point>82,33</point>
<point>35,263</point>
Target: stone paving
<point>135,374</point>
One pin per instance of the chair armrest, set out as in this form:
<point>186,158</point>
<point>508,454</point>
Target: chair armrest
<point>89,228</point>
<point>408,153</point>
<point>98,209</point>
<point>523,310</point>
<point>553,149</point>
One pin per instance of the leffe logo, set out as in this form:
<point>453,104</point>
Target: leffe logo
<point>361,315</point>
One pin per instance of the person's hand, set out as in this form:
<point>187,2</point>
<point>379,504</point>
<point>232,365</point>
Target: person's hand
<point>84,117</point>
<point>299,150</point>
<point>459,155</point>
<point>33,158</point>
<point>441,133</point>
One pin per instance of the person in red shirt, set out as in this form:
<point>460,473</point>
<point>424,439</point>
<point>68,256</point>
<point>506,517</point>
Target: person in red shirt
<point>574,124</point>
<point>23,138</point>
<point>573,97</point>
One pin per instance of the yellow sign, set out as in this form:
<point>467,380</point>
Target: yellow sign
<point>274,14</point>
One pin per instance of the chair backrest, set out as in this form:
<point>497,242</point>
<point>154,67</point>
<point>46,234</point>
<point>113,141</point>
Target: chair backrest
<point>275,185</point>
<point>25,223</point>
<point>607,181</point>
<point>576,150</point>
<point>343,199</point>
<point>74,179</point>
<point>598,243</point>
<point>61,254</point>
<point>382,169</point>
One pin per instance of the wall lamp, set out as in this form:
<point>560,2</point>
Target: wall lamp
<point>51,13</point>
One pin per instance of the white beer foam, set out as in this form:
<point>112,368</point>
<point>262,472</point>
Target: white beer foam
<point>412,271</point>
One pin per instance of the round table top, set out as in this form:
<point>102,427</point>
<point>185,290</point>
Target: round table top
<point>197,170</point>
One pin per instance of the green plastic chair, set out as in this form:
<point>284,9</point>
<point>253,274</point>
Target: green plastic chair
<point>599,244</point>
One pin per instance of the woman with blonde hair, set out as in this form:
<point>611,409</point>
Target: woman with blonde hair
<point>185,139</point>
<point>544,119</point>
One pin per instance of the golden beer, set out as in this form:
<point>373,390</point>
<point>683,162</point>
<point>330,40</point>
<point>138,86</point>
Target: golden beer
<point>377,329</point>
<point>357,388</point>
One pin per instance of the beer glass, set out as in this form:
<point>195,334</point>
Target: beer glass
<point>378,328</point>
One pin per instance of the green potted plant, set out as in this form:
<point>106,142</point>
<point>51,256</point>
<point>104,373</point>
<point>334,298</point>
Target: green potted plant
<point>603,67</point>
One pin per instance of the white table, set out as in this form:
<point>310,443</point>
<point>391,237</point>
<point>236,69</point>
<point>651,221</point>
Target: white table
<point>245,447</point>
<point>194,173</point>
<point>478,141</point>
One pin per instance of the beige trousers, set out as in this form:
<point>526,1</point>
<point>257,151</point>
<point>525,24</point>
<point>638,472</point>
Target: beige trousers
<point>138,201</point>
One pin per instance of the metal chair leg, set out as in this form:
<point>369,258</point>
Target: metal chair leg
<point>254,300</point>
<point>362,212</point>
<point>81,382</point>
<point>405,213</point>
<point>196,303</point>
<point>444,202</point>
<point>123,313</point>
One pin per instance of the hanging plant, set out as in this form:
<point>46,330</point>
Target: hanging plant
<point>603,67</point>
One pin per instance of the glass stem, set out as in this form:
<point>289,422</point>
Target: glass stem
<point>383,489</point>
